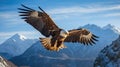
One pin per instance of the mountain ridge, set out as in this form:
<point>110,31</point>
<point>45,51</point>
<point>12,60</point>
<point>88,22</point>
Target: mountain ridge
<point>109,56</point>
<point>74,50</point>
<point>16,45</point>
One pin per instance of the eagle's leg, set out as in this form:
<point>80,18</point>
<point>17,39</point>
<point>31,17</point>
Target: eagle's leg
<point>55,36</point>
<point>53,42</point>
<point>60,45</point>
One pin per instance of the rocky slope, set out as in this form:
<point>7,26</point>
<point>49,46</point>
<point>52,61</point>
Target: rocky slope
<point>6,63</point>
<point>109,56</point>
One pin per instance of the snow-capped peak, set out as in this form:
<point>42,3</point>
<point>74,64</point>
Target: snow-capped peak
<point>18,36</point>
<point>112,27</point>
<point>22,37</point>
<point>16,45</point>
<point>91,26</point>
<point>109,26</point>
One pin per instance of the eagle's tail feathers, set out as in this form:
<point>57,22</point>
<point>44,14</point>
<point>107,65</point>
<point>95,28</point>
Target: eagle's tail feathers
<point>46,42</point>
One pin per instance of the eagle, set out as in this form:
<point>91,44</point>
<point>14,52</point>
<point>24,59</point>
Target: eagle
<point>54,36</point>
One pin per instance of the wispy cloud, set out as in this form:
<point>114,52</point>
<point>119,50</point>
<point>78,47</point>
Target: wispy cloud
<point>65,12</point>
<point>78,9</point>
<point>88,11</point>
<point>112,15</point>
<point>11,18</point>
<point>7,15</point>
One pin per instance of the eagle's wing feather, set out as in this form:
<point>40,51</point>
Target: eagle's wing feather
<point>39,20</point>
<point>82,35</point>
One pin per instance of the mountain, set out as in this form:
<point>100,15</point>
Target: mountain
<point>109,56</point>
<point>112,27</point>
<point>106,34</point>
<point>6,55</point>
<point>6,63</point>
<point>75,55</point>
<point>37,56</point>
<point>16,45</point>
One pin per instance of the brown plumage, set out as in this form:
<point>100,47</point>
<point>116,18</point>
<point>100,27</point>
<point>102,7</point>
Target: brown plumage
<point>81,35</point>
<point>41,21</point>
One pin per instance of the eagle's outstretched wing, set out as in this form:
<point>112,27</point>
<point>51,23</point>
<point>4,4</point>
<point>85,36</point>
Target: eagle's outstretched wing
<point>39,20</point>
<point>81,35</point>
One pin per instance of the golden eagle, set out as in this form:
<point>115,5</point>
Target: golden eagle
<point>55,36</point>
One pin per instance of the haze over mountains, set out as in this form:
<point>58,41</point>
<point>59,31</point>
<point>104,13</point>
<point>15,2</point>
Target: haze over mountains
<point>74,55</point>
<point>15,45</point>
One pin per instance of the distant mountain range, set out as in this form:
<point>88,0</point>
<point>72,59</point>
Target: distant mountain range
<point>74,56</point>
<point>15,46</point>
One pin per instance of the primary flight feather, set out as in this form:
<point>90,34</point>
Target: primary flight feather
<point>41,21</point>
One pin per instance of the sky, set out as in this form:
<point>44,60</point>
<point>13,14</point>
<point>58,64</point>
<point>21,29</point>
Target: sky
<point>67,14</point>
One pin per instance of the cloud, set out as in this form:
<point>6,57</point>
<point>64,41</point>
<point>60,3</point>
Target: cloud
<point>88,11</point>
<point>10,18</point>
<point>112,15</point>
<point>78,9</point>
<point>62,13</point>
<point>7,15</point>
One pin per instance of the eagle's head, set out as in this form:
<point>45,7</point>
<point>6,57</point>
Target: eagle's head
<point>64,33</point>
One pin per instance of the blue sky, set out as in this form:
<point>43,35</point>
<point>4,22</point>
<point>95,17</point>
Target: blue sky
<point>67,14</point>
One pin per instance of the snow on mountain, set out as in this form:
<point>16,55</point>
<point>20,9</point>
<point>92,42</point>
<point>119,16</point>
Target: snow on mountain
<point>77,54</point>
<point>112,27</point>
<point>41,57</point>
<point>6,63</point>
<point>109,26</point>
<point>106,34</point>
<point>16,45</point>
<point>109,56</point>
